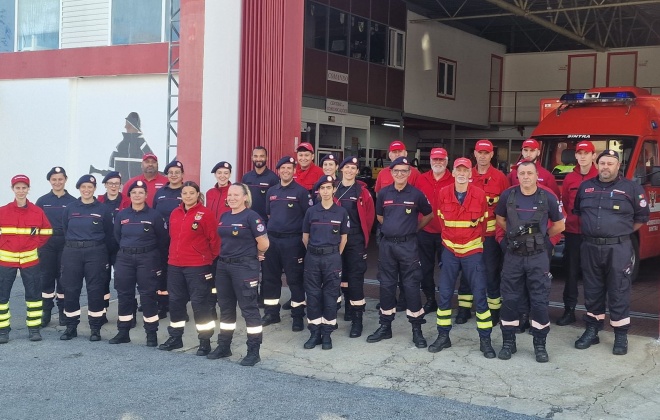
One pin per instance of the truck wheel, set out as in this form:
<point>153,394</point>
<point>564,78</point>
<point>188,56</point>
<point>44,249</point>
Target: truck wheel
<point>635,244</point>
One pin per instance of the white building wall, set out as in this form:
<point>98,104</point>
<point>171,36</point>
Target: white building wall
<point>425,43</point>
<point>85,23</point>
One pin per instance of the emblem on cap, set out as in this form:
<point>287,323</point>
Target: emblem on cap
<point>331,156</point>
<point>404,160</point>
<point>226,165</point>
<point>58,169</point>
<point>610,152</point>
<point>140,183</point>
<point>178,164</point>
<point>291,160</point>
<point>354,160</point>
<point>91,179</point>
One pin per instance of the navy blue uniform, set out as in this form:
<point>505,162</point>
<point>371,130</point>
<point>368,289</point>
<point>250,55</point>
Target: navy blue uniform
<point>398,250</point>
<point>237,275</point>
<point>323,266</point>
<point>50,255</point>
<point>286,207</point>
<point>88,232</point>
<point>608,211</point>
<point>259,185</point>
<point>143,243</point>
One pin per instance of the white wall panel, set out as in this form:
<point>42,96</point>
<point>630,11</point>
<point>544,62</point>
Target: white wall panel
<point>85,23</point>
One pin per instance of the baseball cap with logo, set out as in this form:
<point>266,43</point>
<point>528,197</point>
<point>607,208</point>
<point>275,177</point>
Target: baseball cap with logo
<point>438,153</point>
<point>531,143</point>
<point>397,145</point>
<point>483,146</point>
<point>587,146</point>
<point>149,156</point>
<point>305,147</point>
<point>463,162</point>
<point>20,178</point>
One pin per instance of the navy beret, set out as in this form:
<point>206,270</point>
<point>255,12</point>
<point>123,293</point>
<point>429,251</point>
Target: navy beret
<point>173,164</point>
<point>55,170</point>
<point>324,180</point>
<point>402,160</point>
<point>608,153</point>
<point>136,184</point>
<point>111,175</point>
<point>285,160</point>
<point>331,157</point>
<point>86,178</point>
<point>351,160</point>
<point>222,164</point>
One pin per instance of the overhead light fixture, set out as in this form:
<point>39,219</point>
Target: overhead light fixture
<point>392,125</point>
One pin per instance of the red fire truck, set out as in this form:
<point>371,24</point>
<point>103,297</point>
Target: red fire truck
<point>625,119</point>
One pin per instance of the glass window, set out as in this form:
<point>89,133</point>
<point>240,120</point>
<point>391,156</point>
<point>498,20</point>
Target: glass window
<point>446,78</point>
<point>7,28</point>
<point>38,25</point>
<point>359,36</point>
<point>648,158</point>
<point>316,26</point>
<point>397,48</point>
<point>378,43</point>
<point>338,33</point>
<point>136,22</point>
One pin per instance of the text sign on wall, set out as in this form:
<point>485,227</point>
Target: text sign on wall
<point>336,107</point>
<point>335,76</point>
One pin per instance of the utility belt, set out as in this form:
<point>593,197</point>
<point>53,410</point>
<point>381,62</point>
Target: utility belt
<point>236,260</point>
<point>398,239</point>
<point>607,241</point>
<point>137,250</point>
<point>83,244</point>
<point>322,250</point>
<point>284,235</point>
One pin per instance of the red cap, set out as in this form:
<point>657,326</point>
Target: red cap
<point>20,178</point>
<point>463,162</point>
<point>149,156</point>
<point>305,146</point>
<point>397,145</point>
<point>438,153</point>
<point>531,143</point>
<point>483,145</point>
<point>586,146</point>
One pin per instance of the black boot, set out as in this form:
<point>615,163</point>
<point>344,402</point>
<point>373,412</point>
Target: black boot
<point>440,343</point>
<point>46,315</point>
<point>4,336</point>
<point>297,324</point>
<point>34,334</point>
<point>69,333</point>
<point>252,356</point>
<point>508,344</point>
<point>61,316</point>
<point>204,347</point>
<point>95,334</point>
<point>383,332</point>
<point>588,338</point>
<point>270,319</point>
<point>430,306</point>
<point>486,347</point>
<point>314,339</point>
<point>418,337</point>
<point>326,342</point>
<point>463,315</point>
<point>223,349</point>
<point>568,317</point>
<point>122,336</point>
<point>172,343</point>
<point>524,323</point>
<point>620,343</point>
<point>356,325</point>
<point>539,350</point>
<point>152,339</point>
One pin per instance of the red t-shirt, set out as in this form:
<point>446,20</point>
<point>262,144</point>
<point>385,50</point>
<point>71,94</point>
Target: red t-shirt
<point>308,177</point>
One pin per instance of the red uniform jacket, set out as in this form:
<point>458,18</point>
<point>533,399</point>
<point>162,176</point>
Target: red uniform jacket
<point>216,200</point>
<point>545,178</point>
<point>385,178</point>
<point>431,188</point>
<point>366,211</point>
<point>463,226</point>
<point>152,186</point>
<point>493,182</point>
<point>194,236</point>
<point>569,191</point>
<point>308,177</point>
<point>22,231</point>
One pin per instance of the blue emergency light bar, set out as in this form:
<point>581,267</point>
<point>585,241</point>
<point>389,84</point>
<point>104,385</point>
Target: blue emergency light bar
<point>592,97</point>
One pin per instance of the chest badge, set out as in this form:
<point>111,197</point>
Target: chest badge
<point>234,232</point>
<point>408,211</point>
<point>195,226</point>
<point>290,205</point>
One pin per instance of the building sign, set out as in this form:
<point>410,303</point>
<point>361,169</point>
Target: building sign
<point>336,107</point>
<point>335,76</point>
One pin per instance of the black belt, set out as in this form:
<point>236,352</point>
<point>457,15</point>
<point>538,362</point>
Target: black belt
<point>137,250</point>
<point>322,250</point>
<point>83,244</point>
<point>236,260</point>
<point>284,235</point>
<point>397,239</point>
<point>607,241</point>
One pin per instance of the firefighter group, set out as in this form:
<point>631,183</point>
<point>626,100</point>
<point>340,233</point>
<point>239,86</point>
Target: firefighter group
<point>491,235</point>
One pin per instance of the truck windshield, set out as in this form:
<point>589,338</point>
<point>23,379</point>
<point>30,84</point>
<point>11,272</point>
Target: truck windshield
<point>559,151</point>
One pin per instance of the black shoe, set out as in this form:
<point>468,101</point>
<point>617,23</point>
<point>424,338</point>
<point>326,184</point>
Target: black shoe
<point>440,343</point>
<point>430,306</point>
<point>69,333</point>
<point>287,305</point>
<point>568,317</point>
<point>4,336</point>
<point>252,356</point>
<point>270,319</point>
<point>297,325</point>
<point>172,343</point>
<point>314,340</point>
<point>152,339</point>
<point>121,337</point>
<point>620,344</point>
<point>524,324</point>
<point>418,337</point>
<point>62,317</point>
<point>383,332</point>
<point>223,350</point>
<point>486,347</point>
<point>539,350</point>
<point>326,343</point>
<point>508,346</point>
<point>463,315</point>
<point>95,334</point>
<point>356,325</point>
<point>34,334</point>
<point>46,316</point>
<point>204,347</point>
<point>588,338</point>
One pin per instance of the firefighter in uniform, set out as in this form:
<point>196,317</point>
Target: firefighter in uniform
<point>194,245</point>
<point>493,182</point>
<point>244,244</point>
<point>259,180</point>
<point>216,197</point>
<point>286,206</point>
<point>462,211</point>
<point>585,155</point>
<point>523,212</point>
<point>354,196</point>
<point>611,208</point>
<point>50,255</point>
<point>325,232</point>
<point>150,176</point>
<point>397,209</point>
<point>429,238</point>
<point>24,228</point>
<point>141,233</point>
<point>89,242</point>
<point>130,150</point>
<point>329,164</point>
<point>306,172</point>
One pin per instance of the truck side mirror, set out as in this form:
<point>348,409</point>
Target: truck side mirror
<point>655,176</point>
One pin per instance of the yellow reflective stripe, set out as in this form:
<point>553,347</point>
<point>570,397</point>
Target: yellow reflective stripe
<point>484,324</point>
<point>19,260</point>
<point>33,322</point>
<point>22,254</point>
<point>45,231</point>
<point>5,324</point>
<point>490,226</point>
<point>34,304</point>
<point>464,248</point>
<point>4,306</point>
<point>443,317</point>
<point>484,319</point>
<point>483,315</point>
<point>12,230</point>
<point>32,314</point>
<point>494,303</point>
<point>443,312</point>
<point>5,316</point>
